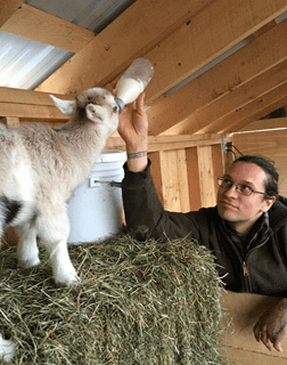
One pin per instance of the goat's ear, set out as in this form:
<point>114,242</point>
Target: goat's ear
<point>65,106</point>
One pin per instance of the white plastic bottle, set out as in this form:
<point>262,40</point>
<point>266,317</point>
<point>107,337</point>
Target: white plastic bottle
<point>134,81</point>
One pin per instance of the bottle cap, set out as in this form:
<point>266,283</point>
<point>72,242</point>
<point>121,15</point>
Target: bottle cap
<point>120,103</point>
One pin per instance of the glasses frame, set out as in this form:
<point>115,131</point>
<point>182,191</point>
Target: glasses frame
<point>220,181</point>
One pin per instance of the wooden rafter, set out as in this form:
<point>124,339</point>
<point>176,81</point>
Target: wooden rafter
<point>39,26</point>
<point>207,34</point>
<point>193,107</point>
<point>263,124</point>
<point>8,8</point>
<point>225,111</point>
<point>135,32</point>
<point>259,107</point>
<point>179,38</point>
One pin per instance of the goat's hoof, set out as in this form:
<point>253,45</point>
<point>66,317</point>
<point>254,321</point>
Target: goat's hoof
<point>7,349</point>
<point>72,279</point>
<point>24,264</point>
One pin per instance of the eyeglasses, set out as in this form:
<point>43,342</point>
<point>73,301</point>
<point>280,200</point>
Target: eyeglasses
<point>243,189</point>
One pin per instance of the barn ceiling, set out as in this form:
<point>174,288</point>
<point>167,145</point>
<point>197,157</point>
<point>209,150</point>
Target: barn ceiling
<point>220,65</point>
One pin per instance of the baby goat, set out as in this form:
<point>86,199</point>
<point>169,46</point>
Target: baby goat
<point>39,169</point>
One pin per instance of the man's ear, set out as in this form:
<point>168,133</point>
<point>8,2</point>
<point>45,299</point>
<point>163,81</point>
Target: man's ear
<point>268,203</point>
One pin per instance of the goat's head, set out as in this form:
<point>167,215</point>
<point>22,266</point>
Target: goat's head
<point>96,104</point>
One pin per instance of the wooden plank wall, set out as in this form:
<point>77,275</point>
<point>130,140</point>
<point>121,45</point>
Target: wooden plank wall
<point>185,175</point>
<point>269,143</point>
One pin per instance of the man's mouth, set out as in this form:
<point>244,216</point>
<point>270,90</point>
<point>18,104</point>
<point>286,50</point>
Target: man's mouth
<point>227,204</point>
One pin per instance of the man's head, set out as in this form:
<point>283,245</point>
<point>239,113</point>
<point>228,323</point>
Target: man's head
<point>248,189</point>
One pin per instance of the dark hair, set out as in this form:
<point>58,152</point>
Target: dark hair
<point>272,176</point>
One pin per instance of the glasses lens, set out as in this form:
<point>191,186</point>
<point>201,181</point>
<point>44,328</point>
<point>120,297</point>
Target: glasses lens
<point>244,190</point>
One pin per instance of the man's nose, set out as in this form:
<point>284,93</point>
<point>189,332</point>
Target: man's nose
<point>232,191</point>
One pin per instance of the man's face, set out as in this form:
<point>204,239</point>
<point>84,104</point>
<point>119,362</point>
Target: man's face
<point>240,210</point>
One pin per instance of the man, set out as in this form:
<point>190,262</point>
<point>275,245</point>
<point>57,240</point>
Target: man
<point>246,231</point>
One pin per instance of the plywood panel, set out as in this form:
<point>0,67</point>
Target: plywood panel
<point>272,144</point>
<point>244,310</point>
<point>237,356</point>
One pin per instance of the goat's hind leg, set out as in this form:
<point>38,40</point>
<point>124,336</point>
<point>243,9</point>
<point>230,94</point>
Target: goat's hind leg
<point>28,253</point>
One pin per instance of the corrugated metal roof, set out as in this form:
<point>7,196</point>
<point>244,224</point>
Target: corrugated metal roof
<point>24,64</point>
<point>94,15</point>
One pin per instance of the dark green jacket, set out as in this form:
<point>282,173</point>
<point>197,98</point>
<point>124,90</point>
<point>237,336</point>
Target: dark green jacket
<point>256,263</point>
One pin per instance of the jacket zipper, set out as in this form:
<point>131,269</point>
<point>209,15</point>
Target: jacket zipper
<point>244,264</point>
<point>245,271</point>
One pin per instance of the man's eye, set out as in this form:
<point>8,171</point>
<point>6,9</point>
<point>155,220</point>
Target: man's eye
<point>227,182</point>
<point>245,188</point>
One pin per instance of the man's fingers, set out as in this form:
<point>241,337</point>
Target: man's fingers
<point>266,341</point>
<point>277,340</point>
<point>277,346</point>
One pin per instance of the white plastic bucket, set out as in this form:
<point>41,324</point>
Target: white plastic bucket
<point>96,210</point>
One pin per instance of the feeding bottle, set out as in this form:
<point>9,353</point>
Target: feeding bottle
<point>133,82</point>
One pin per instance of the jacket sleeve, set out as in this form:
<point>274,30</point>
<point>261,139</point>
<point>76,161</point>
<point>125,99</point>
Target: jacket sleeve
<point>144,213</point>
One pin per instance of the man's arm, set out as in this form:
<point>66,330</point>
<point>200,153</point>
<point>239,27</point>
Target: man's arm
<point>144,212</point>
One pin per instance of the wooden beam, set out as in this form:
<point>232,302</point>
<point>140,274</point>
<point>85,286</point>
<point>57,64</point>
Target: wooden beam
<point>206,35</point>
<point>39,26</point>
<point>263,124</point>
<point>256,109</point>
<point>165,143</point>
<point>210,33</point>
<point>219,115</point>
<point>175,112</point>
<point>8,8</point>
<point>28,104</point>
<point>136,31</point>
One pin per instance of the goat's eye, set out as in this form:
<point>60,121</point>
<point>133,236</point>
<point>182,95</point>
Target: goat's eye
<point>115,108</point>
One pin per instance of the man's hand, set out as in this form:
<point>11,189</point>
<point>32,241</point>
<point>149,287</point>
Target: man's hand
<point>271,327</point>
<point>133,128</point>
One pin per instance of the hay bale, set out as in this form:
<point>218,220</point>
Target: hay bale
<point>139,303</point>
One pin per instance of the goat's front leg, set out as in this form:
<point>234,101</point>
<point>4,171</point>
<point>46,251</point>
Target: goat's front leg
<point>27,250</point>
<point>63,270</point>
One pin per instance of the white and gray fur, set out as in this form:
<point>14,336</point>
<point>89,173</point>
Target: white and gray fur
<point>39,169</point>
